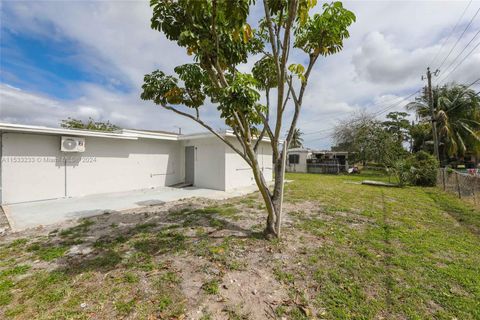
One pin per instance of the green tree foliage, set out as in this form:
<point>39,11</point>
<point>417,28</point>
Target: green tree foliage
<point>423,169</point>
<point>297,140</point>
<point>398,125</point>
<point>71,123</point>
<point>458,118</point>
<point>368,140</point>
<point>422,138</point>
<point>418,169</point>
<point>218,37</point>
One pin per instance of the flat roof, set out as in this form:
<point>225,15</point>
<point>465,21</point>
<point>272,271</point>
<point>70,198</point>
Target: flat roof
<point>10,127</point>
<point>128,134</point>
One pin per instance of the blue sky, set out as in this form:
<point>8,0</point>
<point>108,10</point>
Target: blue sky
<point>49,66</point>
<point>83,59</point>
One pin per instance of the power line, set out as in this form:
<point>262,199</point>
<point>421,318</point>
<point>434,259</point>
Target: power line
<point>463,50</point>
<point>374,115</point>
<point>459,38</point>
<point>451,32</point>
<point>323,138</point>
<point>461,93</point>
<point>458,65</point>
<point>396,104</point>
<point>327,129</point>
<point>318,131</point>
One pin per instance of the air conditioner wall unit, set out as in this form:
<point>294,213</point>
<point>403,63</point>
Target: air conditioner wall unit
<point>72,144</point>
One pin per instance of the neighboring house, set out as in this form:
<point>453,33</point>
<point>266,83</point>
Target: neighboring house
<point>316,161</point>
<point>297,159</point>
<point>36,163</point>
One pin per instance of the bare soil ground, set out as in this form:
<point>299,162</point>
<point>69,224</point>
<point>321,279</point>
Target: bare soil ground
<point>214,250</point>
<point>347,252</point>
<point>4,225</point>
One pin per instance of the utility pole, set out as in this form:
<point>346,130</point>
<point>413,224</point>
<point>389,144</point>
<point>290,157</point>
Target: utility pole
<point>411,138</point>
<point>432,112</point>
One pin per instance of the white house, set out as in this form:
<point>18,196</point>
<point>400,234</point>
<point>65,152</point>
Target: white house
<point>316,161</point>
<point>37,163</point>
<point>297,159</point>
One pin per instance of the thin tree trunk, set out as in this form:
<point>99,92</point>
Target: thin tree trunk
<point>268,199</point>
<point>278,208</point>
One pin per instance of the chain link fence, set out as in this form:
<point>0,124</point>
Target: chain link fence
<point>464,185</point>
<point>331,168</point>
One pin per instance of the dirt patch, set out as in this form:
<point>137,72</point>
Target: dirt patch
<point>222,266</point>
<point>4,225</point>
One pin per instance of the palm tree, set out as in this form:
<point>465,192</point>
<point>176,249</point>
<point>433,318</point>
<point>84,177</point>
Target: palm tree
<point>297,140</point>
<point>458,118</point>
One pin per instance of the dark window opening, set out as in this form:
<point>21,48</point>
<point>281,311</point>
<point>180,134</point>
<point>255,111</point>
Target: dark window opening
<point>293,158</point>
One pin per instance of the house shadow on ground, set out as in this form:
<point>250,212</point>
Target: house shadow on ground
<point>147,236</point>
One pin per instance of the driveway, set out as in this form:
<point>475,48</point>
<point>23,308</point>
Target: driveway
<point>39,213</point>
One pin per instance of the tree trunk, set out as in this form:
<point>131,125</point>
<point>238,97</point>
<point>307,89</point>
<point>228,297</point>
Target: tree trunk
<point>262,185</point>
<point>279,185</point>
<point>276,197</point>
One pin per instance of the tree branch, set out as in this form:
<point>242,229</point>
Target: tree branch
<point>209,128</point>
<point>242,143</point>
<point>268,130</point>
<point>266,125</point>
<point>270,30</point>
<point>292,9</point>
<point>298,100</point>
<point>287,98</point>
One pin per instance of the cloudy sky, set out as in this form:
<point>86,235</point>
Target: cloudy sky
<point>85,59</point>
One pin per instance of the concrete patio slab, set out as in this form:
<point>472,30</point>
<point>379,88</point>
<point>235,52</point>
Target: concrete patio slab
<point>41,213</point>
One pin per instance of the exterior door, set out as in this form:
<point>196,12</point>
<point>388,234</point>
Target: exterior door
<point>190,165</point>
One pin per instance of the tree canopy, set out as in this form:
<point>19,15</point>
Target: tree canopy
<point>218,37</point>
<point>457,116</point>
<point>369,139</point>
<point>297,140</point>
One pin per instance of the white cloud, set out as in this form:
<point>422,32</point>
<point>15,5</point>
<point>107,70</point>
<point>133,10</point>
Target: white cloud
<point>378,60</point>
<point>18,106</point>
<point>88,112</point>
<point>390,46</point>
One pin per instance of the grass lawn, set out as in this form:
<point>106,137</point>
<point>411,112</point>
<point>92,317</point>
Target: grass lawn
<point>349,251</point>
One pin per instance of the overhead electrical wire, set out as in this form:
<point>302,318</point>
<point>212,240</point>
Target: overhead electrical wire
<point>451,32</point>
<point>375,114</point>
<point>460,63</point>
<point>327,129</point>
<point>463,50</point>
<point>459,38</point>
<point>461,94</point>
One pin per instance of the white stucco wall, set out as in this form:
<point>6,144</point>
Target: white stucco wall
<point>238,173</point>
<point>219,167</point>
<point>30,170</point>
<point>33,167</point>
<point>301,166</point>
<point>111,165</point>
<point>209,162</point>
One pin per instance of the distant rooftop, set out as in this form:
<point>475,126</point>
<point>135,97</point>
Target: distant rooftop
<point>316,151</point>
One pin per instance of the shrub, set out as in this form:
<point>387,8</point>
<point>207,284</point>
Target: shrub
<point>401,171</point>
<point>419,169</point>
<point>422,169</point>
